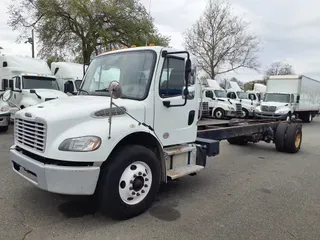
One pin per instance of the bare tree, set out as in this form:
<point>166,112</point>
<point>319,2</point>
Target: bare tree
<point>279,68</point>
<point>221,41</point>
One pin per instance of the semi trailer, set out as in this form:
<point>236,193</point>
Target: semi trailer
<point>127,139</point>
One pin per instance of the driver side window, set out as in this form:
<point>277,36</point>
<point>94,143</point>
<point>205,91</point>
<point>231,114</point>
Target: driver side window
<point>231,95</point>
<point>252,96</point>
<point>172,77</point>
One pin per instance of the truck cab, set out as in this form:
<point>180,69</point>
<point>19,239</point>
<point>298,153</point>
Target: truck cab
<point>30,81</point>
<point>31,89</point>
<point>248,105</point>
<point>68,72</point>
<point>277,105</point>
<point>219,105</point>
<point>132,131</point>
<point>4,116</point>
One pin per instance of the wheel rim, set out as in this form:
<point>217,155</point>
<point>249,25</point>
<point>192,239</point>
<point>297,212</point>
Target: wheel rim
<point>135,183</point>
<point>218,114</point>
<point>298,139</point>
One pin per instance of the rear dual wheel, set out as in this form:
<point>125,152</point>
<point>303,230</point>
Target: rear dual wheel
<point>288,137</point>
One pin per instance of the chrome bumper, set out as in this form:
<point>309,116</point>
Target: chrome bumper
<point>270,115</point>
<point>57,179</point>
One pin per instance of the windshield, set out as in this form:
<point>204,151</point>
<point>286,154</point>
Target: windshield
<point>277,97</point>
<point>220,93</point>
<point>34,82</point>
<point>242,95</point>
<point>133,70</point>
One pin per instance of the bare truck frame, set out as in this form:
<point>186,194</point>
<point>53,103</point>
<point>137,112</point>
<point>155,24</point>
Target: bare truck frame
<point>286,135</point>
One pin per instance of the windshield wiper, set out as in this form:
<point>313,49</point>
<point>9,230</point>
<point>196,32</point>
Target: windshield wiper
<point>102,90</point>
<point>81,90</point>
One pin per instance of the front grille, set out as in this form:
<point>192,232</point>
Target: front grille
<point>30,134</point>
<point>205,109</point>
<point>238,107</point>
<point>268,108</point>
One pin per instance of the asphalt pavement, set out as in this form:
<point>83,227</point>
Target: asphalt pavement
<point>250,192</point>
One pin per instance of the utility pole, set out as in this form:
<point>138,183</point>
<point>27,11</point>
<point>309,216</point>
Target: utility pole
<point>149,19</point>
<point>31,41</point>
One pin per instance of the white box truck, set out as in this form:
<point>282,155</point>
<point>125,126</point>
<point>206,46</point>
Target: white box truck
<point>290,95</point>
<point>4,116</point>
<point>121,142</point>
<point>29,79</point>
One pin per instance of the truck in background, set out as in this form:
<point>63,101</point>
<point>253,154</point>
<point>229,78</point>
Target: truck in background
<point>68,71</point>
<point>215,102</point>
<point>290,95</point>
<point>248,105</point>
<point>29,79</point>
<point>4,116</point>
<point>127,139</point>
<point>257,93</point>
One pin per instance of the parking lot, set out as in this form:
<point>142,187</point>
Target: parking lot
<point>250,192</point>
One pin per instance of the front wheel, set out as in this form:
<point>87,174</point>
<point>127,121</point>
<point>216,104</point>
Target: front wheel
<point>219,113</point>
<point>129,183</point>
<point>246,113</point>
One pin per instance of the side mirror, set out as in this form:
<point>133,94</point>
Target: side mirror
<point>259,97</point>
<point>115,90</point>
<point>7,95</point>
<point>32,91</point>
<point>298,99</point>
<point>68,87</point>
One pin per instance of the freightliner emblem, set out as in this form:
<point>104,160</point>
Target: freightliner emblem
<point>28,115</point>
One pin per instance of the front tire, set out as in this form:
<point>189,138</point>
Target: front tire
<point>219,113</point>
<point>129,182</point>
<point>246,113</point>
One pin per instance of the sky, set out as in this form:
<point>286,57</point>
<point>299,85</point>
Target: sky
<point>289,30</point>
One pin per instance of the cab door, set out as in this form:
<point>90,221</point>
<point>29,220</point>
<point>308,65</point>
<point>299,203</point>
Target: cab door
<point>174,124</point>
<point>17,90</point>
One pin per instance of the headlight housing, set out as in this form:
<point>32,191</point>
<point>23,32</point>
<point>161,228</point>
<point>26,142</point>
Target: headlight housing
<point>231,108</point>
<point>81,144</point>
<point>4,109</point>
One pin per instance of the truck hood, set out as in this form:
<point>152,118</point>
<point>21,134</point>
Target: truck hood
<point>45,93</point>
<point>78,108</point>
<point>276,104</point>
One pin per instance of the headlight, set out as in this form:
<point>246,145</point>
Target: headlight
<point>81,144</point>
<point>4,109</point>
<point>231,108</point>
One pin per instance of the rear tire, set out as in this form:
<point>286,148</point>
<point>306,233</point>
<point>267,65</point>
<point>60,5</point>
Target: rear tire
<point>129,183</point>
<point>293,138</point>
<point>279,137</point>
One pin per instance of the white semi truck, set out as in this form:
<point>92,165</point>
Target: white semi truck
<point>290,95</point>
<point>4,116</point>
<point>30,81</point>
<point>248,104</point>
<point>128,138</point>
<point>216,104</point>
<point>68,71</point>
